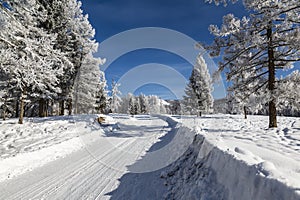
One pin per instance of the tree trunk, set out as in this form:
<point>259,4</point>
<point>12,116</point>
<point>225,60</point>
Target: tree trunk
<point>51,108</point>
<point>17,108</point>
<point>61,107</point>
<point>70,106</point>
<point>4,114</point>
<point>200,113</point>
<point>46,108</point>
<point>245,112</point>
<point>42,108</point>
<point>21,118</point>
<point>271,81</point>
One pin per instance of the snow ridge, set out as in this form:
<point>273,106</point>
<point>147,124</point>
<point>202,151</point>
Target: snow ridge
<point>207,172</point>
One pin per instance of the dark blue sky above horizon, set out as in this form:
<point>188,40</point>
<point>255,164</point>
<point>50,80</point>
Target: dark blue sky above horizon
<point>192,18</point>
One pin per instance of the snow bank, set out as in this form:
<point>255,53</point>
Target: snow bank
<point>24,162</point>
<point>42,140</point>
<point>207,170</point>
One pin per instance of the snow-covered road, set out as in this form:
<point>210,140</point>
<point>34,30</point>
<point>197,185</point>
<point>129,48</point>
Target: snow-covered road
<point>91,172</point>
<point>150,157</point>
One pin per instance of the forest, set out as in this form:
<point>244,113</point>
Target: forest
<point>48,65</point>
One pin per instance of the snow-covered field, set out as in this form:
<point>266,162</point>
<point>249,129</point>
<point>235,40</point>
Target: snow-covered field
<point>161,157</point>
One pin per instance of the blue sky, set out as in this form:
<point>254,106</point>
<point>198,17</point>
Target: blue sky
<point>191,18</point>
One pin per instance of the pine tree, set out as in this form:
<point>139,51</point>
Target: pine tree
<point>269,38</point>
<point>143,104</point>
<point>154,104</point>
<point>115,98</point>
<point>162,107</point>
<point>101,103</point>
<point>198,96</point>
<point>242,95</point>
<point>31,60</point>
<point>74,39</point>
<point>124,104</point>
<point>132,105</point>
<point>288,94</point>
<point>86,85</point>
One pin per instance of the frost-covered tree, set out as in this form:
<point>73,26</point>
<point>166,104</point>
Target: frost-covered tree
<point>43,46</point>
<point>132,108</point>
<point>144,105</point>
<point>87,85</point>
<point>124,104</point>
<point>269,38</point>
<point>289,94</point>
<point>137,106</point>
<point>74,39</point>
<point>175,107</point>
<point>101,103</point>
<point>31,60</point>
<point>242,95</point>
<point>116,100</point>
<point>163,107</point>
<point>7,98</point>
<point>198,94</point>
<point>154,104</point>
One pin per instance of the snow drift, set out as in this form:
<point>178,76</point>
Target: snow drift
<point>218,175</point>
<point>206,171</point>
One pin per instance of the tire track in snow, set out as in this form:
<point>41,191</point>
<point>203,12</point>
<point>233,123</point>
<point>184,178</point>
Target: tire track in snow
<point>84,176</point>
<point>98,188</point>
<point>52,181</point>
<point>95,175</point>
<point>80,177</point>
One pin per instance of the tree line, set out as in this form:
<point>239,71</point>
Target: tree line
<point>46,58</point>
<point>47,64</point>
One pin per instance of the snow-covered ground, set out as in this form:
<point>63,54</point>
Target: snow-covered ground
<point>147,157</point>
<point>275,152</point>
<point>75,158</point>
<point>39,141</point>
<point>234,158</point>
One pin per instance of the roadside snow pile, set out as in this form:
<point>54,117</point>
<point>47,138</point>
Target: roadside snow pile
<point>233,158</point>
<point>106,120</point>
<point>41,140</point>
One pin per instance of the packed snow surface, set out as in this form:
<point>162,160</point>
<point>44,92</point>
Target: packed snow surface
<point>150,157</point>
<point>71,158</point>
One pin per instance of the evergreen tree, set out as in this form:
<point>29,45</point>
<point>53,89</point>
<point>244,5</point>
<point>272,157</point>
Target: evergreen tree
<point>144,105</point>
<point>198,96</point>
<point>74,39</point>
<point>101,103</point>
<point>86,85</point>
<point>132,105</point>
<point>288,94</point>
<point>115,98</point>
<point>154,104</point>
<point>268,38</point>
<point>31,60</point>
<point>242,97</point>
